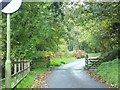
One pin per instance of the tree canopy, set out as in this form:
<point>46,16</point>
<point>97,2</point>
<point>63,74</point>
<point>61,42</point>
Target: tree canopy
<point>43,27</point>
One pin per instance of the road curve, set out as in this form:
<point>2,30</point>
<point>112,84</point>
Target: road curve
<point>72,76</point>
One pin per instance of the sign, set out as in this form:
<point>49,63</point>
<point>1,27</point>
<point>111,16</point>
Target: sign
<point>10,6</point>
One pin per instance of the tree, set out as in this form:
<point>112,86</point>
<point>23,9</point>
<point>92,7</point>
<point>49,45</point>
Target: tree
<point>100,25</point>
<point>34,30</point>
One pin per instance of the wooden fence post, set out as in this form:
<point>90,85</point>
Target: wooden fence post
<point>48,61</point>
<point>19,65</point>
<point>86,60</point>
<point>20,71</point>
<point>24,67</point>
<point>28,66</point>
<point>15,71</point>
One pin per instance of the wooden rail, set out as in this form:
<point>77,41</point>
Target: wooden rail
<point>92,62</point>
<point>20,70</point>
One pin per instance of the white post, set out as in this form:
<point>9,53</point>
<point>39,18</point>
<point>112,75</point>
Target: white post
<point>15,71</point>
<point>29,66</point>
<point>22,68</point>
<point>8,62</point>
<point>19,65</point>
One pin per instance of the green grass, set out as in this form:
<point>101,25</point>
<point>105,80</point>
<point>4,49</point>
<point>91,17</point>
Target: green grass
<point>108,71</point>
<point>40,67</point>
<point>55,62</point>
<point>29,79</point>
<point>27,82</point>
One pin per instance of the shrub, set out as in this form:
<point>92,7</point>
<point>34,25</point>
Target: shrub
<point>111,55</point>
<point>79,54</point>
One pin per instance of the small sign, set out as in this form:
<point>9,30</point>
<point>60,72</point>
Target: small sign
<point>9,6</point>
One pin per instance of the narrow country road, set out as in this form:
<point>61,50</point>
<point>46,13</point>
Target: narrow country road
<point>72,76</point>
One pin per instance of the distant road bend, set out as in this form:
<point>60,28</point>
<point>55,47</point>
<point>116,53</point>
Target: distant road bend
<point>72,76</point>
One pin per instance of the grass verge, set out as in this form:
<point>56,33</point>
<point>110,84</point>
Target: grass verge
<point>108,72</point>
<point>55,62</point>
<point>40,67</point>
<point>29,79</point>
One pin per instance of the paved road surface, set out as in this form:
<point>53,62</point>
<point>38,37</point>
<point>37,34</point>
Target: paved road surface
<point>72,76</point>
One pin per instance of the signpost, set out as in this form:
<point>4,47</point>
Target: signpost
<point>9,6</point>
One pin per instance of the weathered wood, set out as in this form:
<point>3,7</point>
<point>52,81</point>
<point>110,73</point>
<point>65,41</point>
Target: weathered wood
<point>86,60</point>
<point>28,66</point>
<point>20,72</point>
<point>48,61</point>
<point>25,68</point>
<point>24,61</point>
<point>19,76</point>
<point>15,71</point>
<point>21,69</point>
<point>92,62</point>
<point>19,81</point>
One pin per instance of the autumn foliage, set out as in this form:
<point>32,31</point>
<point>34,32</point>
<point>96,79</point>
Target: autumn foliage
<point>79,54</point>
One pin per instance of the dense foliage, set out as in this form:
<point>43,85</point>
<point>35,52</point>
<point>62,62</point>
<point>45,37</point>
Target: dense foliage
<point>55,28</point>
<point>43,28</point>
<point>34,30</point>
<point>96,27</point>
<point>111,55</point>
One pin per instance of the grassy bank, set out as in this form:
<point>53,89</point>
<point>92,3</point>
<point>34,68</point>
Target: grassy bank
<point>108,72</point>
<point>28,81</point>
<point>55,62</point>
<point>40,67</point>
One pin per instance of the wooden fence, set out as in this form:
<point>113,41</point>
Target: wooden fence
<point>93,62</point>
<point>20,70</point>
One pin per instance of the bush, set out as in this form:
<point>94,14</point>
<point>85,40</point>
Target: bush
<point>79,54</point>
<point>111,55</point>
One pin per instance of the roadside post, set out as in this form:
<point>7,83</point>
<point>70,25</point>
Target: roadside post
<point>86,60</point>
<point>48,61</point>
<point>8,7</point>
